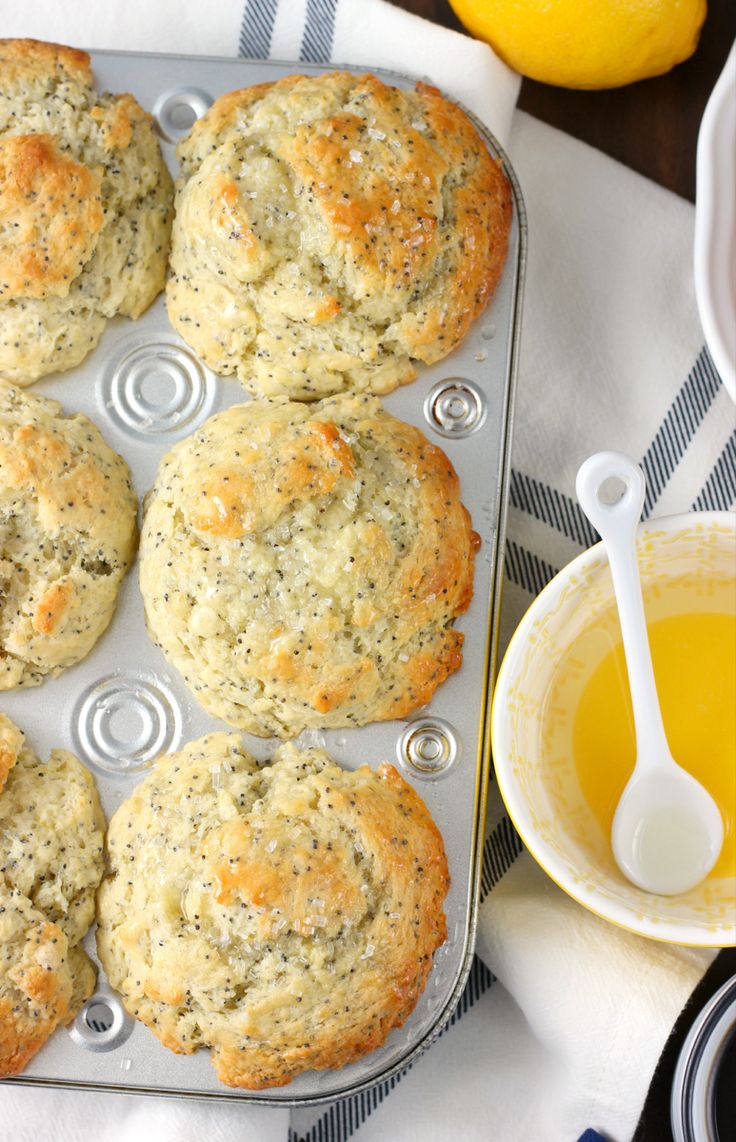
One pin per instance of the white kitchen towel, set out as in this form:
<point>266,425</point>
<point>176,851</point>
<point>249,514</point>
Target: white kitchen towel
<point>564,1017</point>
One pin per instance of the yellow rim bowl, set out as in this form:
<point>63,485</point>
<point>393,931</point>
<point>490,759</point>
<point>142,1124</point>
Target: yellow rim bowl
<point>544,800</point>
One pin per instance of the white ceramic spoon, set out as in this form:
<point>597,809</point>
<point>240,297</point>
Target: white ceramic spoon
<point>667,830</point>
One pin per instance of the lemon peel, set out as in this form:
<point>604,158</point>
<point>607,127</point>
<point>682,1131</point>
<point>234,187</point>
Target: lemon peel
<point>587,43</point>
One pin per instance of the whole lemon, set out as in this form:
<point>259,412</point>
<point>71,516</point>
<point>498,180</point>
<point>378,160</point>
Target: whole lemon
<point>586,43</point>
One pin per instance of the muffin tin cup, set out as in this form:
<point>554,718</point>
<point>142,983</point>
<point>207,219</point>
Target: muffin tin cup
<point>124,704</point>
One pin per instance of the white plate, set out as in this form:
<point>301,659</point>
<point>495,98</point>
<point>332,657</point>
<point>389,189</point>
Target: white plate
<point>715,225</point>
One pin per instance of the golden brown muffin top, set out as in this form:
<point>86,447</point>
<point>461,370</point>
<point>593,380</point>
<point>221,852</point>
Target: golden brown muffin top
<point>85,209</point>
<point>287,919</point>
<point>67,536</point>
<point>51,860</point>
<point>332,229</point>
<point>303,565</point>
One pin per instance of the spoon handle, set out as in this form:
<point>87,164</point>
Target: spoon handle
<point>616,523</point>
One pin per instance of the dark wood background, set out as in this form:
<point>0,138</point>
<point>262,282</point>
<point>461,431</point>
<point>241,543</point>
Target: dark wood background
<point>651,126</point>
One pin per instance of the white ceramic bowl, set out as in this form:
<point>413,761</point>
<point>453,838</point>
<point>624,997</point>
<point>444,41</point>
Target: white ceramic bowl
<point>715,225</point>
<point>539,785</point>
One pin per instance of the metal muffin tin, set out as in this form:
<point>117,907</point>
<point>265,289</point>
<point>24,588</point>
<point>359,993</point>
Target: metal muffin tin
<point>124,705</point>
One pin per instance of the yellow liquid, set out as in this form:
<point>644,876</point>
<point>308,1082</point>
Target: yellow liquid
<point>694,658</point>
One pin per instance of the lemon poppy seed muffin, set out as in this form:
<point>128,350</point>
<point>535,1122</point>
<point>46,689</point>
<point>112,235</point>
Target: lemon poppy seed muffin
<point>283,915</point>
<point>302,565</point>
<point>85,209</point>
<point>51,861</point>
<point>67,536</point>
<point>330,230</point>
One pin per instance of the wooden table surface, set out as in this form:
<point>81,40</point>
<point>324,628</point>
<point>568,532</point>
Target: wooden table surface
<point>651,126</point>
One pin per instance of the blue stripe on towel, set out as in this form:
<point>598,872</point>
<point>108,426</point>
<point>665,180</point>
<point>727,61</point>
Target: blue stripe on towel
<point>526,569</point>
<point>501,849</point>
<point>552,507</point>
<point>683,418</point>
<point>719,491</point>
<point>344,1118</point>
<point>679,426</point>
<point>479,980</point>
<point>318,31</point>
<point>257,28</point>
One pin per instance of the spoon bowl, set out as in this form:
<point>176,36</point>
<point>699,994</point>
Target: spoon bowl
<point>667,831</point>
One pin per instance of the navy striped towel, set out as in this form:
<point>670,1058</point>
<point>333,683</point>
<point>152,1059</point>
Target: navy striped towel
<point>564,1016</point>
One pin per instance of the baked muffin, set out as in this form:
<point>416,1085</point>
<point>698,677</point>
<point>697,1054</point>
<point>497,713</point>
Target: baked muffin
<point>284,915</point>
<point>51,861</point>
<point>67,536</point>
<point>85,209</point>
<point>330,230</point>
<point>302,565</point>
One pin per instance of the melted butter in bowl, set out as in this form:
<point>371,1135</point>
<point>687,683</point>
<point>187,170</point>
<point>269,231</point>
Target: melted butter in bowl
<point>694,655</point>
<point>563,733</point>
